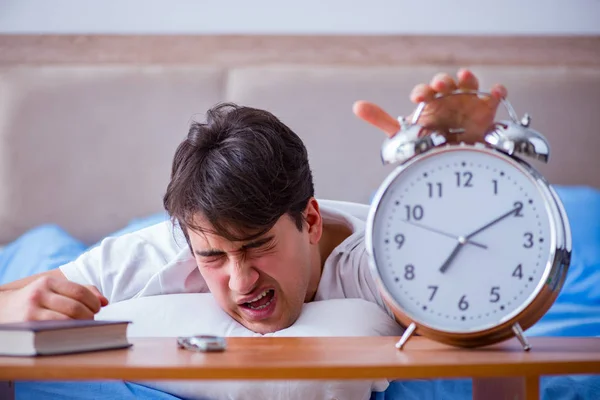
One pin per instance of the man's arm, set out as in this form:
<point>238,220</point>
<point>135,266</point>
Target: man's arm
<point>48,295</point>
<point>21,283</point>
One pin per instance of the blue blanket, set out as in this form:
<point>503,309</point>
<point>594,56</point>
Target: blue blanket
<point>576,312</point>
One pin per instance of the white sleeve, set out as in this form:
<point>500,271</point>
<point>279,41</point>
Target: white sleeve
<point>365,281</point>
<point>121,266</point>
<point>347,275</point>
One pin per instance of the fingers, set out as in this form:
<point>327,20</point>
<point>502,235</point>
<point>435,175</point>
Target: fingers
<point>77,293</point>
<point>467,80</point>
<point>452,109</point>
<point>499,91</point>
<point>376,116</point>
<point>422,92</point>
<point>44,314</point>
<point>51,298</point>
<point>66,306</point>
<point>443,83</point>
<point>100,296</point>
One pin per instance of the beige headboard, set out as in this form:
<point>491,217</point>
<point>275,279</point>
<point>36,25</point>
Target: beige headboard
<point>88,125</point>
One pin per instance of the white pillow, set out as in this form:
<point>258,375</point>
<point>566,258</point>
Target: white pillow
<point>189,314</point>
<point>173,315</point>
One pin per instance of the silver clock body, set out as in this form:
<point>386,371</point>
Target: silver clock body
<point>468,243</point>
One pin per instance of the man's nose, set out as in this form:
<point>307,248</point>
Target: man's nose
<point>242,278</point>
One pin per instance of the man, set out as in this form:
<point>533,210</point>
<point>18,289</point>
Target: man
<point>241,195</point>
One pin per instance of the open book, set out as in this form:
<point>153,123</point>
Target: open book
<point>61,337</point>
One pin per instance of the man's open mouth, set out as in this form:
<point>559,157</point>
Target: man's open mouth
<point>261,301</point>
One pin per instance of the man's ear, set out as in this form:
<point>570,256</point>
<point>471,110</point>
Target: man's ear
<point>314,222</point>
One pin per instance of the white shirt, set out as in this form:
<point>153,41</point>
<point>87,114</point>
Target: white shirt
<point>157,261</point>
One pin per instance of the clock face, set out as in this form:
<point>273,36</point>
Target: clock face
<point>461,240</point>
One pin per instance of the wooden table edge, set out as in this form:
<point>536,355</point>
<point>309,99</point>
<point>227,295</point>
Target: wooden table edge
<point>130,364</point>
<point>294,373</point>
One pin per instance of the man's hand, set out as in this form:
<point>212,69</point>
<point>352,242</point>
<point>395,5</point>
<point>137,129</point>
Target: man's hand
<point>473,113</point>
<point>50,298</point>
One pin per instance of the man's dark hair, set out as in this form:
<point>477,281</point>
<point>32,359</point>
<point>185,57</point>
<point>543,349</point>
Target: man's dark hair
<point>241,171</point>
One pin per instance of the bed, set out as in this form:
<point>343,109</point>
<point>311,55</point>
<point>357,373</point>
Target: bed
<point>88,126</point>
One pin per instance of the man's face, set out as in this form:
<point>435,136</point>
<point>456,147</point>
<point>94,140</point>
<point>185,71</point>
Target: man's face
<point>263,283</point>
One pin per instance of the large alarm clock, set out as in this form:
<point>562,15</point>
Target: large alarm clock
<point>469,243</point>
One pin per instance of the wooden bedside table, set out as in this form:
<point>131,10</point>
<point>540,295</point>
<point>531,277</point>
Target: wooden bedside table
<point>501,371</point>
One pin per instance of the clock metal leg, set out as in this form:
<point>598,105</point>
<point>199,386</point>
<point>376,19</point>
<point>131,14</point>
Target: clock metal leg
<point>407,334</point>
<point>521,336</point>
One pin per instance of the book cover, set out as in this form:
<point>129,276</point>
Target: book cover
<point>61,337</point>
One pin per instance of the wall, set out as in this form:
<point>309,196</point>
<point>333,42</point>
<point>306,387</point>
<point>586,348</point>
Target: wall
<point>555,17</point>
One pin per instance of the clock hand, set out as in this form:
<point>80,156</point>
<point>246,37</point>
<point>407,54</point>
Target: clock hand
<point>483,246</point>
<point>459,245</point>
<point>446,263</point>
<point>500,218</point>
<point>463,239</point>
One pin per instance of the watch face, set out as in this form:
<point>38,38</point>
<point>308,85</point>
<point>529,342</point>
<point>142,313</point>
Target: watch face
<point>461,239</point>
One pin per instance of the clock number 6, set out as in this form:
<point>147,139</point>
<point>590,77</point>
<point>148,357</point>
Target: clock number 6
<point>463,304</point>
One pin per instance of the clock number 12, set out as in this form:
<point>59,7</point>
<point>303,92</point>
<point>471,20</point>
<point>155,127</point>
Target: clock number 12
<point>464,179</point>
